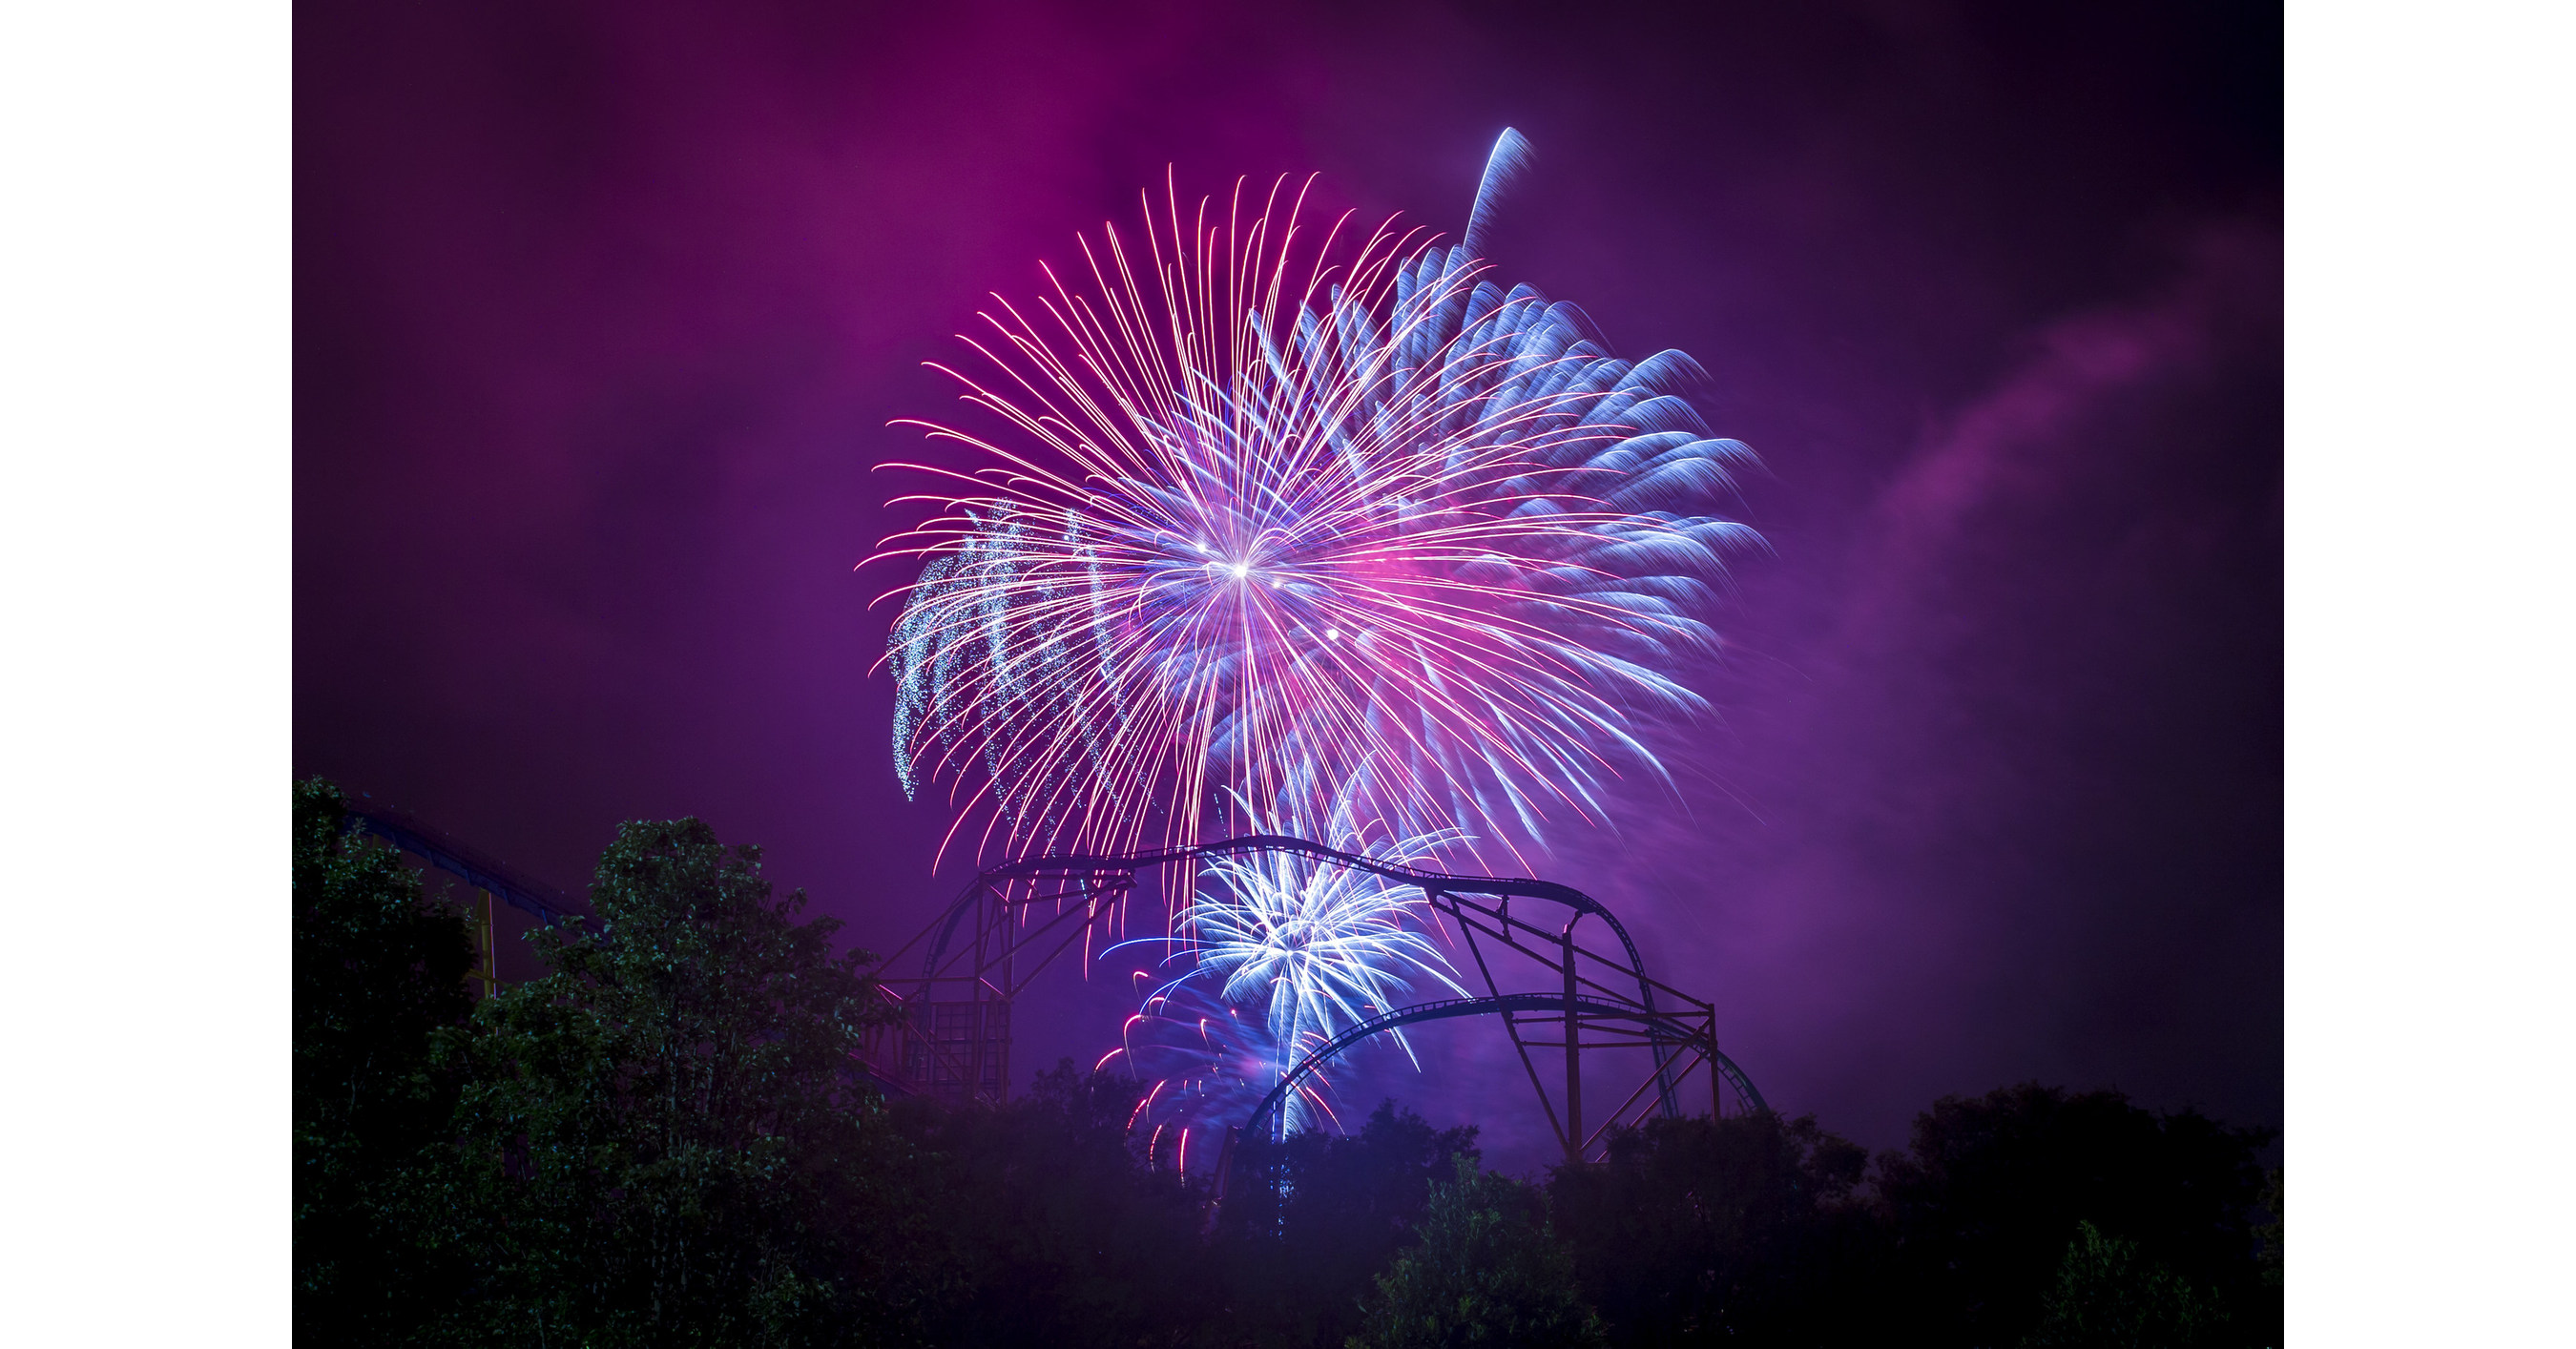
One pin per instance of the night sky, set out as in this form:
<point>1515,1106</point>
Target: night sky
<point>601,312</point>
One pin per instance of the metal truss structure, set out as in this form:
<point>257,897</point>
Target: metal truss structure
<point>492,879</point>
<point>495,878</point>
<point>1544,984</point>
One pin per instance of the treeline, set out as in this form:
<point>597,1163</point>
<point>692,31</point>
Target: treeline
<point>662,1142</point>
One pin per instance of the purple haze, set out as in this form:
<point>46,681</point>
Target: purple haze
<point>602,309</point>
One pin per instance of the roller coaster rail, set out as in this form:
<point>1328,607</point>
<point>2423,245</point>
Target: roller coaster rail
<point>1666,1029</point>
<point>475,867</point>
<point>952,1042</point>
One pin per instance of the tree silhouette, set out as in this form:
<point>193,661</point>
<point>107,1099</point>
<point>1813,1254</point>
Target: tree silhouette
<point>663,1141</point>
<point>1488,1272</point>
<point>2108,1296</point>
<point>1984,1200</point>
<point>1743,1229</point>
<point>377,970</point>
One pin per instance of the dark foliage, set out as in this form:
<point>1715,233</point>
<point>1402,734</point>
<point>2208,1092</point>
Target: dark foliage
<point>1488,1271</point>
<point>1043,1227</point>
<point>2269,1234</point>
<point>1987,1198</point>
<point>1742,1229</point>
<point>1311,1220</point>
<point>2108,1296</point>
<point>663,1142</point>
<point>377,970</point>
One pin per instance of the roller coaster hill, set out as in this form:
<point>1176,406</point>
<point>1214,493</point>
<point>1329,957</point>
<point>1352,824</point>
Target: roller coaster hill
<point>1562,979</point>
<point>502,902</point>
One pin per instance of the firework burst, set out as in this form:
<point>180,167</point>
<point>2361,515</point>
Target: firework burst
<point>1270,505</point>
<point>1308,947</point>
<point>1204,1066</point>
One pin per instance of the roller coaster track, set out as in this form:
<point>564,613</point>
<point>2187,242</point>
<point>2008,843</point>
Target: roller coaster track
<point>976,955</point>
<point>1591,1009</point>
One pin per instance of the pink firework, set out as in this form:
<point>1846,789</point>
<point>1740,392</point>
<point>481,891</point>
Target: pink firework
<point>1264,516</point>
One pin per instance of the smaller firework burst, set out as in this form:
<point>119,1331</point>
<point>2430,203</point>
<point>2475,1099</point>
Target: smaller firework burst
<point>1282,952</point>
<point>1204,1065</point>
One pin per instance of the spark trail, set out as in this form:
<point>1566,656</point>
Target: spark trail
<point>1308,948</point>
<point>1261,504</point>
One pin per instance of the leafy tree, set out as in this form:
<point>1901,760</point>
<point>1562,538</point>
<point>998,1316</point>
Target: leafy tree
<point>663,1141</point>
<point>1307,1222</point>
<point>377,970</point>
<point>1047,1228</point>
<point>1742,1229</point>
<point>1982,1201</point>
<point>1489,1271</point>
<point>2270,1234</point>
<point>2108,1296</point>
<point>2260,1311</point>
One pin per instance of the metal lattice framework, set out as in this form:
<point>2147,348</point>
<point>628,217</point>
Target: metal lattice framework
<point>953,1041</point>
<point>491,878</point>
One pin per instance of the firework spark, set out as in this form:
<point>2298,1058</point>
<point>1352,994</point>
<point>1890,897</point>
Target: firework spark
<point>1309,948</point>
<point>1204,1065</point>
<point>1265,509</point>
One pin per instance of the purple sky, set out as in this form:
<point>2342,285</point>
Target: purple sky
<point>602,309</point>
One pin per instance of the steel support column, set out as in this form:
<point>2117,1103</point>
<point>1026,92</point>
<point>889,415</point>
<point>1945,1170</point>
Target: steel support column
<point>1573,1056</point>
